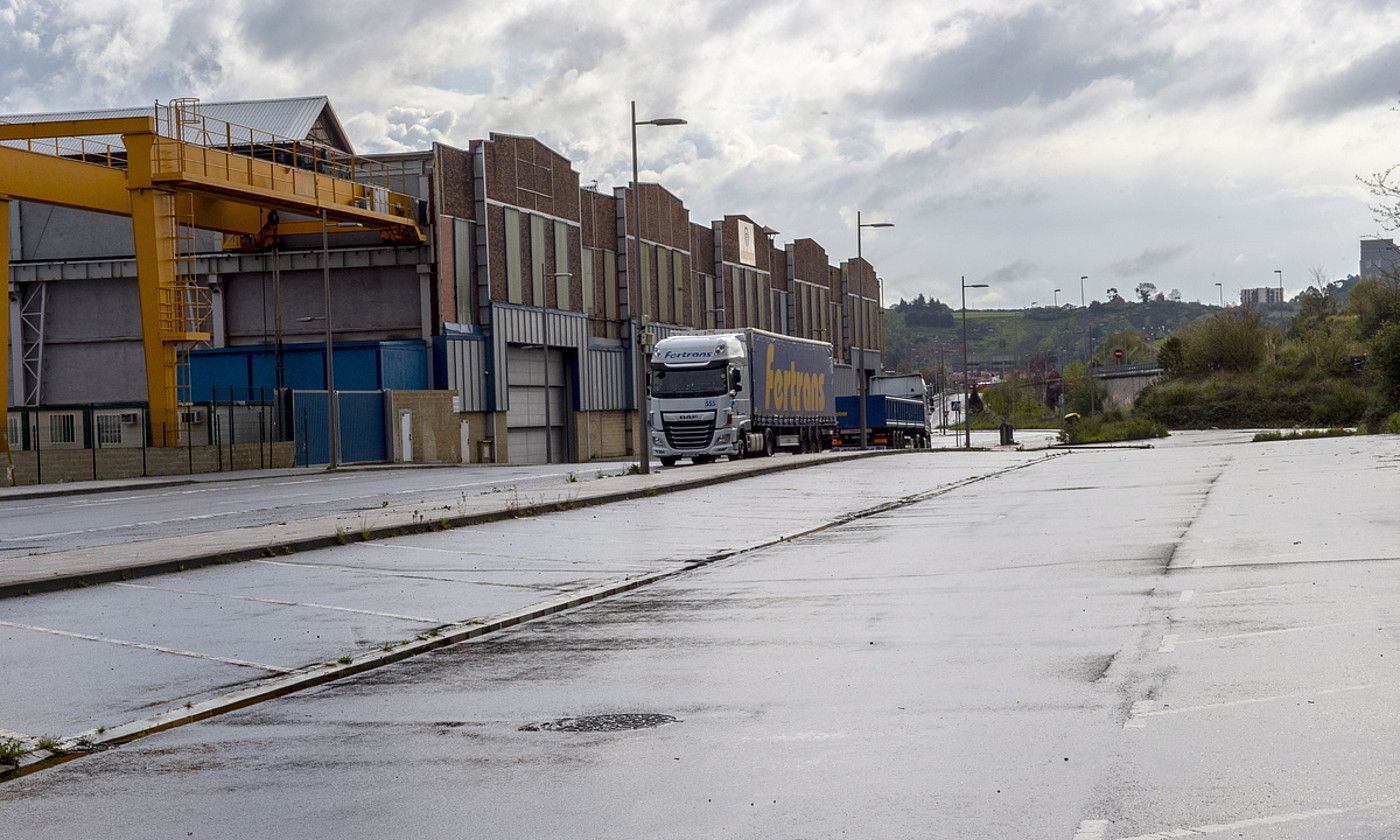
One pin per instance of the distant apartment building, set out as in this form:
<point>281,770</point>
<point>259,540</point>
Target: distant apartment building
<point>1261,295</point>
<point>1379,258</point>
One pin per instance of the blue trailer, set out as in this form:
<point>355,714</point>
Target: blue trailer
<point>893,422</point>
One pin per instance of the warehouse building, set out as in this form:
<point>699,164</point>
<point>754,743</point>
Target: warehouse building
<point>507,335</point>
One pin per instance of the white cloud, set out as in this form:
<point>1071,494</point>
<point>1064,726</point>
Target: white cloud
<point>1060,137</point>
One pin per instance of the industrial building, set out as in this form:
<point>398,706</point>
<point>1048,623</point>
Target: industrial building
<point>483,305</point>
<point>1261,295</point>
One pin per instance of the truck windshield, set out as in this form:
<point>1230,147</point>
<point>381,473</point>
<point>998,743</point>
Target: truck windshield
<point>709,382</point>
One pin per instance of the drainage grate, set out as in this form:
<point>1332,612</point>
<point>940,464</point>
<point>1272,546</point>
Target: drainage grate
<point>601,723</point>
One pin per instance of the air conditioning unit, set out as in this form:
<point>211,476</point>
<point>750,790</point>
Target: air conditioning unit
<point>131,417</point>
<point>192,415</point>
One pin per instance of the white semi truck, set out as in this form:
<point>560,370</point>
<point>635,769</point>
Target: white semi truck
<point>739,393</point>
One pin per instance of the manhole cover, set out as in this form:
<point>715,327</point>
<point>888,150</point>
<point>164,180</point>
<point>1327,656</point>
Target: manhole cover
<point>601,723</point>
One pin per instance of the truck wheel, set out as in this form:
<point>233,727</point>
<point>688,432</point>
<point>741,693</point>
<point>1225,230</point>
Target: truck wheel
<point>769,444</point>
<point>668,460</point>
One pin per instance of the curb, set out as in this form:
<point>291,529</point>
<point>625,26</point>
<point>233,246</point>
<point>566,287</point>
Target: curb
<point>84,743</point>
<point>38,585</point>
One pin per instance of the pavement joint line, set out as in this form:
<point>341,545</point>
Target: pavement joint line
<point>1253,633</point>
<point>309,676</point>
<point>414,525</point>
<point>414,618</point>
<point>242,663</point>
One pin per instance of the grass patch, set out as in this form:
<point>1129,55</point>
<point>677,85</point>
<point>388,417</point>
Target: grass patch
<point>1097,430</point>
<point>1302,434</point>
<point>11,751</point>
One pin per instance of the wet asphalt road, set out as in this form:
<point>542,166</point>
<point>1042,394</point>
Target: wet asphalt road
<point>35,526</point>
<point>1198,639</point>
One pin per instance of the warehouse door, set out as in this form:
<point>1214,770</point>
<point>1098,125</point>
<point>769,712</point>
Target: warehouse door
<point>525,419</point>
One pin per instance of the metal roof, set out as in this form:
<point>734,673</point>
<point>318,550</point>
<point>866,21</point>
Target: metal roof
<point>292,118</point>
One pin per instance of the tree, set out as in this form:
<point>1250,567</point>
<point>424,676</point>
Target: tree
<point>1174,296</point>
<point>1145,291</point>
<point>1384,359</point>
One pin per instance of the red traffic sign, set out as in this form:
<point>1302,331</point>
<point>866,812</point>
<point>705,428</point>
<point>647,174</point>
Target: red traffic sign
<point>1118,352</point>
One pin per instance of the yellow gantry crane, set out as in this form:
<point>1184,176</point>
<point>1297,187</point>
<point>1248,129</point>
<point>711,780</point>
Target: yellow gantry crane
<point>177,170</point>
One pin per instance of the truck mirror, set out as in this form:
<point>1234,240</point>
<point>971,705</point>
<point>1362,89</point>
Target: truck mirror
<point>735,381</point>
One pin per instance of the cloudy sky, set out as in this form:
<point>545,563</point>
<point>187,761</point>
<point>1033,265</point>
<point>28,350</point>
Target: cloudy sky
<point>1019,144</point>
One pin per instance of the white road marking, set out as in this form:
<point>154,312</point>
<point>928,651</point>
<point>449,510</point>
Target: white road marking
<point>309,604</point>
<point>1187,595</point>
<point>1091,830</point>
<point>1254,633</point>
<point>1226,704</point>
<point>1135,714</point>
<point>242,663</point>
<point>1276,819</point>
<point>1168,643</point>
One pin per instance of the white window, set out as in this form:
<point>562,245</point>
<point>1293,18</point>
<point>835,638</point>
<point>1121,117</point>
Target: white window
<point>62,428</point>
<point>109,429</point>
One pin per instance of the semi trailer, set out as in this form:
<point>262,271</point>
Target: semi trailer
<point>738,393</point>
<point>891,422</point>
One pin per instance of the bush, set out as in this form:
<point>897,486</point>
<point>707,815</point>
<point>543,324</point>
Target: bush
<point>1384,360</point>
<point>1241,401</point>
<point>1302,434</point>
<point>1233,341</point>
<point>1107,429</point>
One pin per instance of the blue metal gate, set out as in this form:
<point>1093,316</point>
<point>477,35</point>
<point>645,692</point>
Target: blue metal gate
<point>364,427</point>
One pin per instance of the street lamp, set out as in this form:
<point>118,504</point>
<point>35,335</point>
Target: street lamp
<point>641,364</point>
<point>860,264</point>
<point>332,408</point>
<point>1221,287</point>
<point>1057,298</point>
<point>1082,278</point>
<point>967,415</point>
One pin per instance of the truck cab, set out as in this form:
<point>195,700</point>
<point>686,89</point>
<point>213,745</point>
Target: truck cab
<point>699,402</point>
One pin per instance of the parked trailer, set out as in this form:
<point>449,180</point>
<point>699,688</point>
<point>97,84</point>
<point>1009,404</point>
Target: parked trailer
<point>892,422</point>
<point>739,393</point>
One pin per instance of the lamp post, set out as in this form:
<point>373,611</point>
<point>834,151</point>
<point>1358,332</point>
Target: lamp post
<point>1221,287</point>
<point>641,365</point>
<point>861,378</point>
<point>1082,278</point>
<point>332,409</point>
<point>967,415</point>
<point>1057,298</point>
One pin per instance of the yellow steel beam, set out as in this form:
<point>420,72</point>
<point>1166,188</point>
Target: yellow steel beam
<point>77,128</point>
<point>31,176</point>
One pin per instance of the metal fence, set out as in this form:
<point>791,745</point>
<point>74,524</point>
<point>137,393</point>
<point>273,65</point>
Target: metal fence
<point>235,416</point>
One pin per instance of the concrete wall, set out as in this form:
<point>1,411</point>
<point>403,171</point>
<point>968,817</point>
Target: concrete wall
<point>77,464</point>
<point>435,428</point>
<point>602,435</point>
<point>1122,391</point>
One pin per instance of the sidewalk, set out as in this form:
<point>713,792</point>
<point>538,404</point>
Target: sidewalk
<point>101,564</point>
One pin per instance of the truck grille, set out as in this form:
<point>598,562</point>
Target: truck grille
<point>689,434</point>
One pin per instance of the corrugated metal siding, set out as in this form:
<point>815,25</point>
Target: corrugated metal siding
<point>847,383</point>
<point>511,324</point>
<point>606,385</point>
<point>464,358</point>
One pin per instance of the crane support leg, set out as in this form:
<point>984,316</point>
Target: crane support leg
<point>153,223</point>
